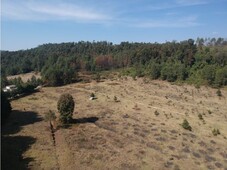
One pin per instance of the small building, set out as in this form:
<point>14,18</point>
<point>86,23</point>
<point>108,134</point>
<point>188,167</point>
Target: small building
<point>10,88</point>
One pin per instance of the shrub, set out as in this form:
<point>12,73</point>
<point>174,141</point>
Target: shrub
<point>156,113</point>
<point>49,116</point>
<point>200,116</point>
<point>186,125</point>
<point>115,99</point>
<point>65,107</point>
<point>219,93</point>
<point>134,76</point>
<point>92,95</point>
<point>216,132</point>
<point>209,112</point>
<point>97,77</point>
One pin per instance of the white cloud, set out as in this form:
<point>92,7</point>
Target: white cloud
<point>191,2</point>
<point>169,23</point>
<point>33,10</point>
<point>79,11</point>
<point>176,4</point>
<point>69,12</point>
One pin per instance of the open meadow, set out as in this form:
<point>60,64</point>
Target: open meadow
<point>140,128</point>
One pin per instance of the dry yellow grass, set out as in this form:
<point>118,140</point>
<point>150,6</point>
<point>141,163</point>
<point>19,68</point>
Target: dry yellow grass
<point>127,134</point>
<point>25,77</point>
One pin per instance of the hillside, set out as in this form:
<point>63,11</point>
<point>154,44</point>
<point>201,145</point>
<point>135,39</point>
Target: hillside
<point>201,62</point>
<point>142,130</point>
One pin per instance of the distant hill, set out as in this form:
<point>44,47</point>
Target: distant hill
<point>202,61</point>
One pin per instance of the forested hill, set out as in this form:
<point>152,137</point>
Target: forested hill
<point>202,61</point>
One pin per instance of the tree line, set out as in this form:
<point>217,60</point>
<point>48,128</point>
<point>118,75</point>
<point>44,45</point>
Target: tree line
<point>201,61</point>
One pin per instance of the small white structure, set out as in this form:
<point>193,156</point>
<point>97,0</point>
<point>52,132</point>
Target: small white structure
<point>92,98</point>
<point>10,88</point>
<point>38,88</point>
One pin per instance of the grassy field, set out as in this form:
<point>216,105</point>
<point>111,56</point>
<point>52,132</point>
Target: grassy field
<point>25,77</point>
<point>140,130</point>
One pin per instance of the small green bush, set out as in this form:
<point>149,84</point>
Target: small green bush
<point>115,99</point>
<point>186,125</point>
<point>49,116</point>
<point>219,93</point>
<point>216,132</point>
<point>200,116</point>
<point>92,95</point>
<point>97,77</point>
<point>156,113</point>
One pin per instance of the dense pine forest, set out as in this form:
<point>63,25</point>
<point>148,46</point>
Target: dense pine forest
<point>200,62</point>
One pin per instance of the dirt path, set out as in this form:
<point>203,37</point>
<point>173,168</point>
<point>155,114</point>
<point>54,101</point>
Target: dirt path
<point>63,154</point>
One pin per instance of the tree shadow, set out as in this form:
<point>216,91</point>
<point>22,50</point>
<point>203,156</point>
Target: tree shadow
<point>81,121</point>
<point>12,150</point>
<point>85,120</point>
<point>17,119</point>
<point>18,96</point>
<point>13,145</point>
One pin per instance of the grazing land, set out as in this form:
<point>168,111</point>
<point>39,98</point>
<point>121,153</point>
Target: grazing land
<point>25,77</point>
<point>140,128</point>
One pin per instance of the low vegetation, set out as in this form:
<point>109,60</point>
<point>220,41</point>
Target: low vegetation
<point>216,132</point>
<point>50,116</point>
<point>219,93</point>
<point>200,116</point>
<point>156,113</point>
<point>143,125</point>
<point>92,95</point>
<point>186,125</point>
<point>116,99</point>
<point>111,131</point>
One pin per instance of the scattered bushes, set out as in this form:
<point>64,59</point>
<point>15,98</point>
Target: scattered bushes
<point>216,132</point>
<point>65,107</point>
<point>201,118</point>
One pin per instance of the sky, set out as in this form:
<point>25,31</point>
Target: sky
<point>26,24</point>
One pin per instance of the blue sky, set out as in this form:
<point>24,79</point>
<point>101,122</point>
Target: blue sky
<point>28,23</point>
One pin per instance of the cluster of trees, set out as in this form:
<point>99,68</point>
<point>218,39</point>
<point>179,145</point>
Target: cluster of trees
<point>202,61</point>
<point>22,87</point>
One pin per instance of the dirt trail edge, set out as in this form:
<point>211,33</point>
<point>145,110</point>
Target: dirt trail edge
<point>64,157</point>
